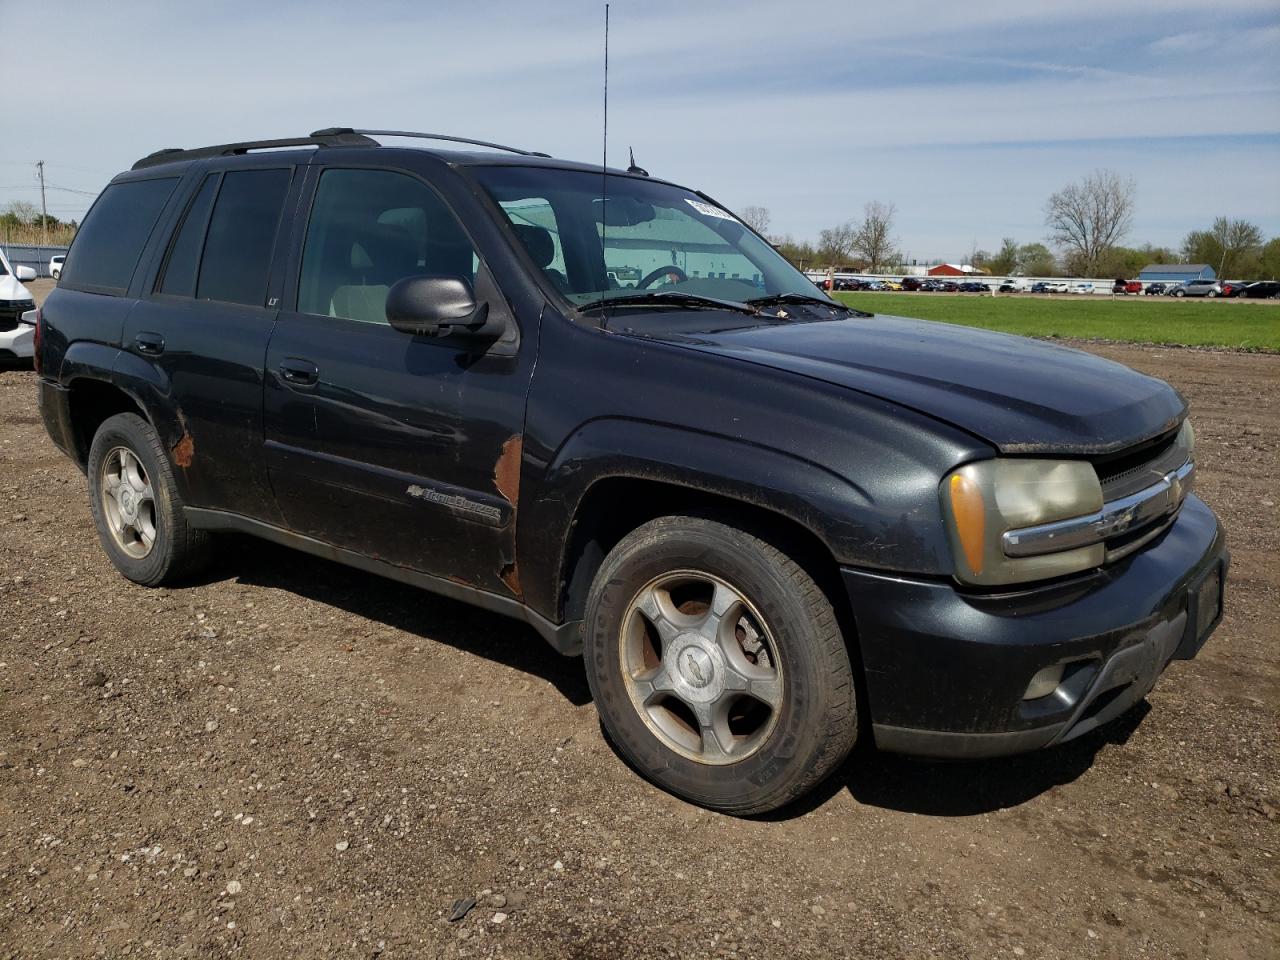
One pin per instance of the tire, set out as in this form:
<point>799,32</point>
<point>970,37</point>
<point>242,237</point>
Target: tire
<point>126,451</point>
<point>1179,294</point>
<point>782,635</point>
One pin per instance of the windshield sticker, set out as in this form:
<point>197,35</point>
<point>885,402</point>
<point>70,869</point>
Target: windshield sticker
<point>710,210</point>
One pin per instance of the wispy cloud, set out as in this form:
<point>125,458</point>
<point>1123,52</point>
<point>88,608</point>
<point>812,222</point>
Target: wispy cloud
<point>966,116</point>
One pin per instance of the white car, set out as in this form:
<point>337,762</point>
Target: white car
<point>1082,288</point>
<point>15,300</point>
<point>55,265</point>
<point>20,342</point>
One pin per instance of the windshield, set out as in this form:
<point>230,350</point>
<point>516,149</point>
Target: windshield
<point>600,238</point>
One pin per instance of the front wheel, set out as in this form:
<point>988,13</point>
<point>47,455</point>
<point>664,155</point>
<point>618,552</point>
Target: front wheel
<point>717,666</point>
<point>1179,294</point>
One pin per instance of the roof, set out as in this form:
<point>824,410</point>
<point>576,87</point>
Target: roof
<point>1175,267</point>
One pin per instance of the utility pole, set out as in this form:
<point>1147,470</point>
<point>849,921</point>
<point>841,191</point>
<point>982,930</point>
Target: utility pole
<point>44,213</point>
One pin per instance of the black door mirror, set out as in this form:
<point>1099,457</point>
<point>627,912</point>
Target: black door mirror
<point>438,307</point>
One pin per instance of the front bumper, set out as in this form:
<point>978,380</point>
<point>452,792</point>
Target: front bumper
<point>19,341</point>
<point>946,670</point>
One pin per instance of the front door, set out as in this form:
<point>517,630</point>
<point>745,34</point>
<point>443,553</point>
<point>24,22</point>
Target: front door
<point>404,449</point>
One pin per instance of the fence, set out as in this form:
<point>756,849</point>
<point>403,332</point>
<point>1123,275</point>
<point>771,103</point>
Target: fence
<point>36,257</point>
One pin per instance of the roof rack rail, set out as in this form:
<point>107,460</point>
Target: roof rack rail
<point>434,136</point>
<point>335,137</point>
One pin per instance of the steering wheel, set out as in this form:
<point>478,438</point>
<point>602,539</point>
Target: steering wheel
<point>678,275</point>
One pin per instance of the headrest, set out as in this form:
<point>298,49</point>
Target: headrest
<point>386,249</point>
<point>537,240</point>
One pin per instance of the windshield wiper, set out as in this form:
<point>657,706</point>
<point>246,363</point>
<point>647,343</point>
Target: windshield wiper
<point>672,298</point>
<point>775,298</point>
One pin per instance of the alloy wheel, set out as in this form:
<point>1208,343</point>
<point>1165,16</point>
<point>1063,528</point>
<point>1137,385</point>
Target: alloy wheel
<point>701,667</point>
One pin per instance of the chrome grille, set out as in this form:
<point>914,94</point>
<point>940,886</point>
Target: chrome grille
<point>1137,468</point>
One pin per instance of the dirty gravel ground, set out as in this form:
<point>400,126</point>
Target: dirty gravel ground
<point>290,758</point>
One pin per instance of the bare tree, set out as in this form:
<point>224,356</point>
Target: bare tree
<point>872,240</point>
<point>1232,246</point>
<point>22,211</point>
<point>1088,218</point>
<point>757,218</point>
<point>835,244</point>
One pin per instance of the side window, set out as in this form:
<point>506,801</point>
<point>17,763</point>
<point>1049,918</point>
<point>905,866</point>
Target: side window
<point>535,225</point>
<point>109,243</point>
<point>242,233</point>
<point>184,256</point>
<point>369,229</point>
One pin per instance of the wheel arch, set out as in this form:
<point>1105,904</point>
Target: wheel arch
<point>91,401</point>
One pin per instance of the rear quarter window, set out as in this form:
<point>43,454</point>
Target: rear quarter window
<point>107,247</point>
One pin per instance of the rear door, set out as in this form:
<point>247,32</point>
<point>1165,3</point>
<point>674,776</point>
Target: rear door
<point>401,448</point>
<point>203,328</point>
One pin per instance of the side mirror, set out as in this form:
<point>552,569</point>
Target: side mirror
<point>24,274</point>
<point>438,307</point>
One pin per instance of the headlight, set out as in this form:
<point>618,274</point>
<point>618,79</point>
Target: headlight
<point>983,500</point>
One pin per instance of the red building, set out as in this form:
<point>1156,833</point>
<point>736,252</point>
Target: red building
<point>951,270</point>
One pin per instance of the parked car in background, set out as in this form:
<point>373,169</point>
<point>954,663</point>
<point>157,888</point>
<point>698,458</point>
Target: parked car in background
<point>1013,285</point>
<point>973,286</point>
<point>1156,289</point>
<point>1127,286</point>
<point>912,283</point>
<point>15,299</point>
<point>948,286</point>
<point>1232,288</point>
<point>1196,288</point>
<point>1081,287</point>
<point>55,265</point>
<point>1262,289</point>
<point>19,340</point>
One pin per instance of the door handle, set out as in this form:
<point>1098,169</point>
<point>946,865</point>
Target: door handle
<point>297,371</point>
<point>151,344</point>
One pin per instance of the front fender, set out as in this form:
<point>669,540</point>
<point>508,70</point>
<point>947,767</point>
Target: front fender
<point>856,527</point>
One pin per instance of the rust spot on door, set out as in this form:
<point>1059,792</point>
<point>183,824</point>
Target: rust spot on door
<point>184,451</point>
<point>511,577</point>
<point>506,472</point>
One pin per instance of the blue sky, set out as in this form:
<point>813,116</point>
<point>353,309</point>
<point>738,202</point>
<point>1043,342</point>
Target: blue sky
<point>965,116</point>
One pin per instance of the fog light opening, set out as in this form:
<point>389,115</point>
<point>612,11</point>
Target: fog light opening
<point>1044,682</point>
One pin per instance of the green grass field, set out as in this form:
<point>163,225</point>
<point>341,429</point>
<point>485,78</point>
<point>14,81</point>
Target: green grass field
<point>1239,326</point>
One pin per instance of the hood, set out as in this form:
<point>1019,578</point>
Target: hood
<point>11,289</point>
<point>1020,395</point>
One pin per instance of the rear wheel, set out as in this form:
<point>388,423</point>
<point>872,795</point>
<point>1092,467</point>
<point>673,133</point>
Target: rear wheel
<point>717,665</point>
<point>136,505</point>
<point>1179,293</point>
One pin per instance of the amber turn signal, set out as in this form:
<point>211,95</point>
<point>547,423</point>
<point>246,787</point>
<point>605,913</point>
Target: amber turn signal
<point>970,515</point>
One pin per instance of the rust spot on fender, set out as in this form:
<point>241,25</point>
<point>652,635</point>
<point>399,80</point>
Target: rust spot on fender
<point>185,449</point>
<point>506,472</point>
<point>460,581</point>
<point>511,577</point>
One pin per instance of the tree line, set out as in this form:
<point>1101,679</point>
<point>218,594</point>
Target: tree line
<point>1086,222</point>
<point>21,222</point>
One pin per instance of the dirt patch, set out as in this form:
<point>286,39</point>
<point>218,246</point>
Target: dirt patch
<point>294,758</point>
